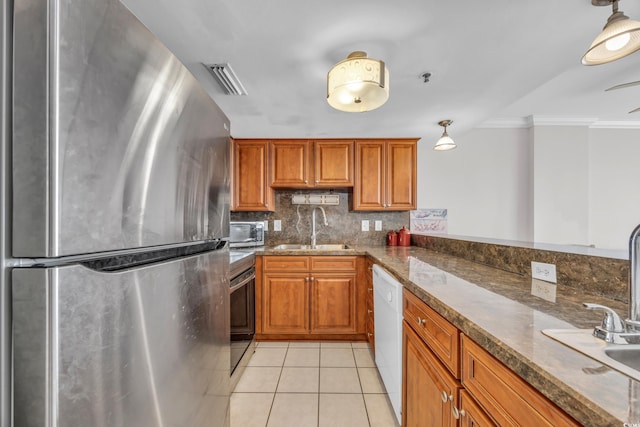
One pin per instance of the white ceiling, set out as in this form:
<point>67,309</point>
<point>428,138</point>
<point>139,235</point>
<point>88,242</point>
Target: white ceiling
<point>489,61</point>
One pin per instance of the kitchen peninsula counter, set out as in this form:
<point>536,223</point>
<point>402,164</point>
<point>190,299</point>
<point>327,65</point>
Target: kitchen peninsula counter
<point>496,309</point>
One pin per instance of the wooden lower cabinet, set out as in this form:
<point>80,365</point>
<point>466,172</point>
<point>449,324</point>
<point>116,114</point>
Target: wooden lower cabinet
<point>470,413</point>
<point>310,297</point>
<point>483,392</point>
<point>504,395</point>
<point>370,315</point>
<point>429,391</point>
<point>333,305</point>
<point>285,303</point>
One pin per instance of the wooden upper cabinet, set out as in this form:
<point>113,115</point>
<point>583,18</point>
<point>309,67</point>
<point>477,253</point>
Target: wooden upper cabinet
<point>369,189</point>
<point>290,163</point>
<point>385,175</point>
<point>333,163</point>
<point>250,175</point>
<point>401,175</point>
<point>308,164</point>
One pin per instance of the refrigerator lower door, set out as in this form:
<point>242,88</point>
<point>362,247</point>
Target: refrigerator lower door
<point>142,347</point>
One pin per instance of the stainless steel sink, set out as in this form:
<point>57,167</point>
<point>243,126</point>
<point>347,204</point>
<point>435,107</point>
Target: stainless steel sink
<point>622,358</point>
<point>328,247</point>
<point>627,356</point>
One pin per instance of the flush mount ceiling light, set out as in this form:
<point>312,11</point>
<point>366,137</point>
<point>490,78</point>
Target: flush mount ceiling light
<point>445,142</point>
<point>619,37</point>
<point>358,84</point>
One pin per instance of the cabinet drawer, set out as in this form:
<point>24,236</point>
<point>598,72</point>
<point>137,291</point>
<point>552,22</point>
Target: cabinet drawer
<point>286,263</point>
<point>503,394</point>
<point>440,335</point>
<point>333,263</point>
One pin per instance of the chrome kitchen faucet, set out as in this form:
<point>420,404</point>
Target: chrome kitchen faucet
<point>613,329</point>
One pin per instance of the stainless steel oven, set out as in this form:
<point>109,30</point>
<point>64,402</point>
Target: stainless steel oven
<point>242,312</point>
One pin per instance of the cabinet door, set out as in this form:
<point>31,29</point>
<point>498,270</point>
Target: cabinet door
<point>250,189</point>
<point>401,175</point>
<point>285,303</point>
<point>369,188</point>
<point>333,163</point>
<point>290,164</point>
<point>333,303</point>
<point>472,415</point>
<point>429,391</point>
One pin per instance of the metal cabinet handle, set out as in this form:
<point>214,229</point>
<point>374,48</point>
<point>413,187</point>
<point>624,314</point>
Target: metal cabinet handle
<point>306,181</point>
<point>458,413</point>
<point>421,321</point>
<point>369,289</point>
<point>369,311</point>
<point>317,181</point>
<point>312,278</point>
<point>445,397</point>
<point>369,334</point>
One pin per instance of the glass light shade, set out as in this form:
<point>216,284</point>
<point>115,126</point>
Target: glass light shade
<point>445,143</point>
<point>610,44</point>
<point>358,84</point>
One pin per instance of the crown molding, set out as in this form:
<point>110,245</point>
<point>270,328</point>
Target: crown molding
<point>532,121</point>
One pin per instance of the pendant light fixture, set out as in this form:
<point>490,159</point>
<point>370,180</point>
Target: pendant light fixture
<point>358,84</point>
<point>619,37</point>
<point>445,142</point>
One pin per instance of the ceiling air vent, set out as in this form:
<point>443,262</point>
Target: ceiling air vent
<point>226,78</point>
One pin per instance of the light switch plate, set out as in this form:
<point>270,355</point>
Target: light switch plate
<point>265,227</point>
<point>378,225</point>
<point>543,271</point>
<point>277,225</point>
<point>365,225</point>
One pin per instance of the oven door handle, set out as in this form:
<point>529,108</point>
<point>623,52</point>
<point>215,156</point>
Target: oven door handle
<point>242,280</point>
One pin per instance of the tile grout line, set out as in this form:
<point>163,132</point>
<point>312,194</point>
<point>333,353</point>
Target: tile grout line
<point>275,392</point>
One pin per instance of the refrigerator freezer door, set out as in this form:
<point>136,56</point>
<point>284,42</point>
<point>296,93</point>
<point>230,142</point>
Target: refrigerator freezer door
<point>116,145</point>
<point>140,347</point>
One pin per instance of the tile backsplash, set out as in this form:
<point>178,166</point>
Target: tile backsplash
<point>344,225</point>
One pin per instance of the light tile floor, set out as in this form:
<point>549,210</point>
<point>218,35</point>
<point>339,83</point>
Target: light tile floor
<point>306,384</point>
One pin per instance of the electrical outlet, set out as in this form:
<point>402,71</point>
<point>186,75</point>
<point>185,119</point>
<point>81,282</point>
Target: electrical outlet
<point>365,225</point>
<point>544,290</point>
<point>542,271</point>
<point>378,225</point>
<point>265,227</point>
<point>277,225</point>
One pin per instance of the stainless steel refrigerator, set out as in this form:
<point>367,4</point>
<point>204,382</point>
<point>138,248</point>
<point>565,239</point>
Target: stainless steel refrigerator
<point>117,270</point>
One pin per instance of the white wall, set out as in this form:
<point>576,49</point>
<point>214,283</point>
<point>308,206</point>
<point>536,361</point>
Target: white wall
<point>484,183</point>
<point>561,185</point>
<point>614,186</point>
<point>565,185</point>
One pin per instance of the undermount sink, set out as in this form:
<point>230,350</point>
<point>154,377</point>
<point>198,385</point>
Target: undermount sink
<point>624,358</point>
<point>627,355</point>
<point>329,247</point>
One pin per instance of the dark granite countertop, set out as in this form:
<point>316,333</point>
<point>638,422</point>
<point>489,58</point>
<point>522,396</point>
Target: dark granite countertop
<point>496,309</point>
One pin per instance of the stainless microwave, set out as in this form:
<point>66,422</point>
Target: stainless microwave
<point>243,234</point>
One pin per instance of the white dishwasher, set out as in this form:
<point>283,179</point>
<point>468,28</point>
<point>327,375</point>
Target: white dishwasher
<point>387,308</point>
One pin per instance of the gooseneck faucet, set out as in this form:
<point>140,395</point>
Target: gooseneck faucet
<point>633,322</point>
<point>613,329</point>
<point>313,223</point>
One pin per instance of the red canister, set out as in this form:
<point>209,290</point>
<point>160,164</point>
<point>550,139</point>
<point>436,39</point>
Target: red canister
<point>404,237</point>
<point>392,238</point>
